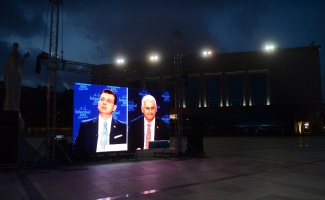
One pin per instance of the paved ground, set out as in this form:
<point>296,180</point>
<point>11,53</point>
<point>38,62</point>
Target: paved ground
<point>263,168</point>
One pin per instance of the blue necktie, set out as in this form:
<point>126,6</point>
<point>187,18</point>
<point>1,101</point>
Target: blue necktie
<point>103,141</point>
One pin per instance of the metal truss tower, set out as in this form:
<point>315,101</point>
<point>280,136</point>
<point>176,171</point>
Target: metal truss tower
<point>178,91</point>
<point>54,64</point>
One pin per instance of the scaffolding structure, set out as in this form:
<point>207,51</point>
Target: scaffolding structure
<point>53,65</point>
<point>178,85</point>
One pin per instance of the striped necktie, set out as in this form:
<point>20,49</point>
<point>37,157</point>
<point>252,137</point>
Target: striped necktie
<point>148,136</point>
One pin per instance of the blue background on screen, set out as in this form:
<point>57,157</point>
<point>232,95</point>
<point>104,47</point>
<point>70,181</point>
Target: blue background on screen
<point>86,98</point>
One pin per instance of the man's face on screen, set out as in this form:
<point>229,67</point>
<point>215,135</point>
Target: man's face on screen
<point>149,110</point>
<point>106,104</point>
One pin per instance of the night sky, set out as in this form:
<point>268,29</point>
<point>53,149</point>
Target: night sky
<point>98,31</point>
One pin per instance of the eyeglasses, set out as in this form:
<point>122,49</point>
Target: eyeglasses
<point>109,101</point>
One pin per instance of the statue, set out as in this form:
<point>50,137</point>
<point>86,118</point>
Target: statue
<point>12,80</point>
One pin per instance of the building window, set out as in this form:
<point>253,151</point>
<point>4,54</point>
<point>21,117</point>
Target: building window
<point>235,90</point>
<point>213,91</point>
<point>192,95</point>
<point>258,88</point>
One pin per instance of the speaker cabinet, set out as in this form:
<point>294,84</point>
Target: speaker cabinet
<point>8,138</point>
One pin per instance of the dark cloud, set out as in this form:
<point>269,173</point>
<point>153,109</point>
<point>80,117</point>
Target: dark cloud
<point>139,26</point>
<point>23,18</point>
<point>96,31</point>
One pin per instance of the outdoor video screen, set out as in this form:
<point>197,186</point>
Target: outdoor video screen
<point>111,118</point>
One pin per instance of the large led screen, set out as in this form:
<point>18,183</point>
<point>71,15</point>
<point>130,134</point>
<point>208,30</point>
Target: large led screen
<point>112,118</point>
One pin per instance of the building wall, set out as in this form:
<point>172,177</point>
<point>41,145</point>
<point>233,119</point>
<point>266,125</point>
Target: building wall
<point>283,86</point>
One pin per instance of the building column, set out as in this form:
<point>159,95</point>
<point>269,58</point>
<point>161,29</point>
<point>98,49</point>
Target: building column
<point>224,90</point>
<point>247,93</point>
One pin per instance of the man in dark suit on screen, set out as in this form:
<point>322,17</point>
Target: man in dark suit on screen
<point>147,128</point>
<point>100,133</point>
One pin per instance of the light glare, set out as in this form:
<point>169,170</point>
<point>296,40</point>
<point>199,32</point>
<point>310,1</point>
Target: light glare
<point>154,58</point>
<point>206,53</point>
<point>120,61</point>
<point>269,47</point>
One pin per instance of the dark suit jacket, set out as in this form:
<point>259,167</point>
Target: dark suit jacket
<point>136,132</point>
<point>86,141</point>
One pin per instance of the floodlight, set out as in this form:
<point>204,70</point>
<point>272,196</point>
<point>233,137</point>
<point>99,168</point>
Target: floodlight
<point>269,47</point>
<point>206,53</point>
<point>120,61</point>
<point>154,57</point>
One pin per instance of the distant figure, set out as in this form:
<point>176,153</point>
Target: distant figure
<point>12,80</point>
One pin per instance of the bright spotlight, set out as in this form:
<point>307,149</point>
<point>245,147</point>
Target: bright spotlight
<point>153,58</point>
<point>269,47</point>
<point>120,61</point>
<point>206,53</point>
